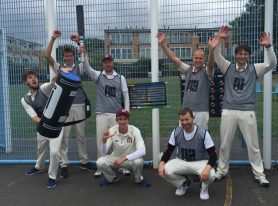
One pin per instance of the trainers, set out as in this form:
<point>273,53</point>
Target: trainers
<point>218,177</point>
<point>51,183</point>
<point>64,172</point>
<point>204,195</point>
<point>34,171</point>
<point>88,166</point>
<point>182,190</point>
<point>97,174</point>
<point>104,182</point>
<point>144,183</point>
<point>125,172</point>
<point>263,181</point>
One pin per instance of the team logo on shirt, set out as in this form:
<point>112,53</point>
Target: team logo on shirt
<point>129,140</point>
<point>239,83</point>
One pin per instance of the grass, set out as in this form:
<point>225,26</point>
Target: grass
<point>23,126</point>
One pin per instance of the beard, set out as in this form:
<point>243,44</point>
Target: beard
<point>36,87</point>
<point>187,127</point>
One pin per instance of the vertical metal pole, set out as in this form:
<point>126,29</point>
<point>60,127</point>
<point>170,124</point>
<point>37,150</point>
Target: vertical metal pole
<point>5,91</point>
<point>153,13</point>
<point>50,14</point>
<point>267,92</point>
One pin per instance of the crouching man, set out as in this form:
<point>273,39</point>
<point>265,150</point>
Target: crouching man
<point>128,149</point>
<point>196,155</point>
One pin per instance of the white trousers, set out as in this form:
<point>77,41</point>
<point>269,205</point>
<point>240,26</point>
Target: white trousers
<point>103,122</point>
<point>176,168</point>
<point>246,121</point>
<point>106,165</point>
<point>76,113</point>
<point>54,153</point>
<point>201,119</point>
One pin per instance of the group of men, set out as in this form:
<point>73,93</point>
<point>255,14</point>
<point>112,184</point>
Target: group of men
<point>112,92</point>
<point>196,152</point>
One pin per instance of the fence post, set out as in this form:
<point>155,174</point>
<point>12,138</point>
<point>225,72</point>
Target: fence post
<point>153,14</point>
<point>50,14</point>
<point>5,122</point>
<point>267,91</point>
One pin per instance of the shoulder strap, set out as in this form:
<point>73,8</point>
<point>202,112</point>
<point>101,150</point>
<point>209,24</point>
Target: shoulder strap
<point>74,122</point>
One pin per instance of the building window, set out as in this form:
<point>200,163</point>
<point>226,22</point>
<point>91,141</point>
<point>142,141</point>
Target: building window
<point>206,50</point>
<point>179,38</point>
<point>145,53</point>
<point>25,60</point>
<point>121,38</point>
<point>204,36</point>
<point>17,60</point>
<point>183,53</point>
<point>35,60</point>
<point>10,60</point>
<point>121,53</point>
<point>145,38</point>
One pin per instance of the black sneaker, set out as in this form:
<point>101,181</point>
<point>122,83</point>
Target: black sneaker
<point>34,171</point>
<point>51,183</point>
<point>88,166</point>
<point>64,172</point>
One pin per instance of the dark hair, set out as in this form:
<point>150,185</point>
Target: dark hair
<point>186,110</point>
<point>67,50</point>
<point>244,48</point>
<point>27,73</point>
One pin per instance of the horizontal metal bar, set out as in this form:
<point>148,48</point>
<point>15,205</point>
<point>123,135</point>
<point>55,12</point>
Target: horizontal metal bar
<point>72,162</point>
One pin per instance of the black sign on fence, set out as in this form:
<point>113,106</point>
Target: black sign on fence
<point>216,92</point>
<point>147,94</point>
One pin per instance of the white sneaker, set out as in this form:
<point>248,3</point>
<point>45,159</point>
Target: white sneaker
<point>204,195</point>
<point>218,177</point>
<point>97,174</point>
<point>125,172</point>
<point>263,181</point>
<point>182,190</point>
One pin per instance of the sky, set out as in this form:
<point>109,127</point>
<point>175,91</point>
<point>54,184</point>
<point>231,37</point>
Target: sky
<point>26,19</point>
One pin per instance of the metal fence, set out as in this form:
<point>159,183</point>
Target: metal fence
<point>122,28</point>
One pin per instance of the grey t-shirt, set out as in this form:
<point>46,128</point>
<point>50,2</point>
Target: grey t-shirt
<point>193,149</point>
<point>109,97</point>
<point>240,88</point>
<point>196,92</point>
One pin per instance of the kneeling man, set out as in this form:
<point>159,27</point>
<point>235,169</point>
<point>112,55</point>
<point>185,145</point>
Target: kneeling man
<point>196,155</point>
<point>128,149</point>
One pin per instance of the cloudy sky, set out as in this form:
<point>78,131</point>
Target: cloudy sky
<point>26,19</point>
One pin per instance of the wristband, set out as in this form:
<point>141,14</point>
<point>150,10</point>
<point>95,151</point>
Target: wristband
<point>268,46</point>
<point>54,36</point>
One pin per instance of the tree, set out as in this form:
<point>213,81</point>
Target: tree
<point>247,27</point>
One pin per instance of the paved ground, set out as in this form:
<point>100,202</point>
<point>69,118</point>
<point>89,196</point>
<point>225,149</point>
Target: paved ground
<point>81,188</point>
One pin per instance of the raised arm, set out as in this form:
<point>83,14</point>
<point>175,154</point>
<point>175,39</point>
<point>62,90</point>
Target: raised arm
<point>125,93</point>
<point>169,53</point>
<point>106,141</point>
<point>93,74</point>
<point>55,35</point>
<point>270,61</point>
<point>215,45</point>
